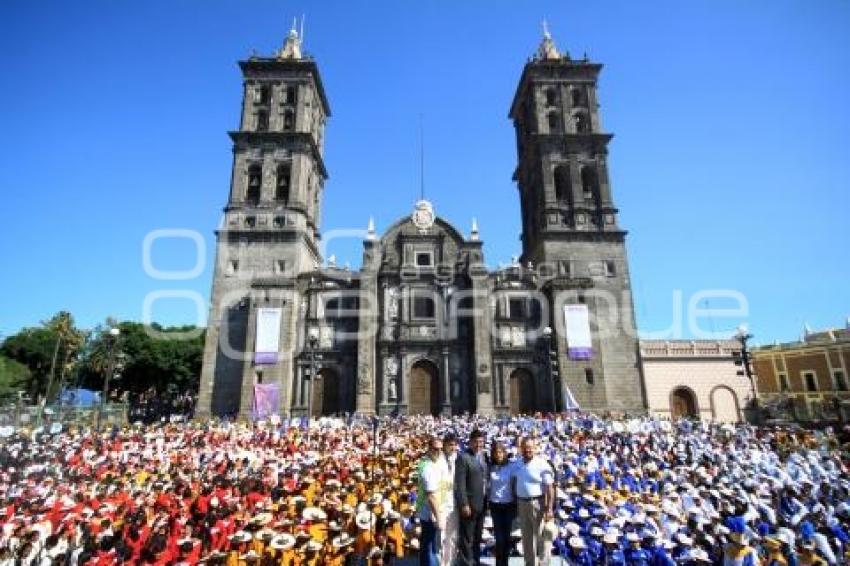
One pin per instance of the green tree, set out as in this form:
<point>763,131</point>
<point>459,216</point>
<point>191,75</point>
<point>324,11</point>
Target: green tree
<point>13,376</point>
<point>146,357</point>
<point>47,351</point>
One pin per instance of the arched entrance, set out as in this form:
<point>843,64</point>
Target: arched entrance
<point>523,393</point>
<point>724,405</point>
<point>424,383</point>
<point>683,403</point>
<point>327,393</point>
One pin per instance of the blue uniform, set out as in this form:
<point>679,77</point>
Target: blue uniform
<point>638,557</point>
<point>614,557</point>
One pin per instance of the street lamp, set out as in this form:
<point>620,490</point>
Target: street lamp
<point>113,339</point>
<point>547,355</point>
<point>312,345</point>
<point>743,337</point>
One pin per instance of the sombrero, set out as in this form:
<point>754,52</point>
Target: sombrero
<point>342,541</point>
<point>363,520</point>
<point>282,542</point>
<point>240,536</point>
<point>313,514</point>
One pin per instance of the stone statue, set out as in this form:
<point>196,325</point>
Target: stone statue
<point>391,390</point>
<point>390,366</point>
<point>392,303</point>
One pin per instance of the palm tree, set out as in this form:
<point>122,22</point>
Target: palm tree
<point>69,339</point>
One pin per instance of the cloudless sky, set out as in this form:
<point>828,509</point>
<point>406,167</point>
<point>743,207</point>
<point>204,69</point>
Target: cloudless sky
<point>730,161</point>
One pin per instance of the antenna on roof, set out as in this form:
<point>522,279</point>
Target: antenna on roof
<point>421,160</point>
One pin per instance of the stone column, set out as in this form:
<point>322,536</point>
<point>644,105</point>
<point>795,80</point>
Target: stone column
<point>368,329</point>
<point>481,374</point>
<point>447,383</point>
<point>575,181</point>
<point>604,184</point>
<point>247,396</point>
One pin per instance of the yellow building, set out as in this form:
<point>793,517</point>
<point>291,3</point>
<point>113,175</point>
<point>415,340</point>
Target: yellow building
<point>806,380</point>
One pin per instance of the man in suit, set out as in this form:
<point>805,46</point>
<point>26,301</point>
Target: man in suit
<point>470,476</point>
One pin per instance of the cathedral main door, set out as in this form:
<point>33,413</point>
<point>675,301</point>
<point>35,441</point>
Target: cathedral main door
<point>522,392</point>
<point>327,394</point>
<point>424,389</point>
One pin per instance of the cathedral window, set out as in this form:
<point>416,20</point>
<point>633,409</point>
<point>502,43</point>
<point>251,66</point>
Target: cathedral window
<point>590,184</point>
<point>282,187</point>
<point>291,95</point>
<point>554,122</point>
<point>563,191</point>
<point>264,95</point>
<point>517,308</point>
<point>551,97</point>
<point>255,179</point>
<point>581,123</point>
<point>423,306</point>
<point>610,268</point>
<point>262,121</point>
<point>288,121</point>
<point>250,221</point>
<point>588,375</point>
<point>279,221</point>
<point>423,259</point>
<point>578,96</point>
<point>332,307</point>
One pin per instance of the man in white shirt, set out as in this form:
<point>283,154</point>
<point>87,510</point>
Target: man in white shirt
<point>534,487</point>
<point>450,528</point>
<point>429,502</point>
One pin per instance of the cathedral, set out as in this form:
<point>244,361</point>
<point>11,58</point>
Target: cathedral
<point>423,327</point>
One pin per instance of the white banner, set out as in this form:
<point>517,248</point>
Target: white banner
<point>268,335</point>
<point>579,343</point>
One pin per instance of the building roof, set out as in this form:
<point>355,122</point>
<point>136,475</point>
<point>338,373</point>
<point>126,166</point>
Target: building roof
<point>809,339</point>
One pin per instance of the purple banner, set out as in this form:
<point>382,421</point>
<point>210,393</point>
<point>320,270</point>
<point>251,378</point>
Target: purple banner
<point>265,358</point>
<point>266,399</point>
<point>580,353</point>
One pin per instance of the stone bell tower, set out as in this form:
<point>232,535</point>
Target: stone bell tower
<point>270,228</point>
<point>570,230</point>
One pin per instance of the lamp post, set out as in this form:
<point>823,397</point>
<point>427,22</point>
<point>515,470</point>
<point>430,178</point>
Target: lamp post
<point>312,344</point>
<point>547,359</point>
<point>743,337</point>
<point>113,339</point>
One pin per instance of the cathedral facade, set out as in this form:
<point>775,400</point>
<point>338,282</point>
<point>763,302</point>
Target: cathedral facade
<point>423,327</point>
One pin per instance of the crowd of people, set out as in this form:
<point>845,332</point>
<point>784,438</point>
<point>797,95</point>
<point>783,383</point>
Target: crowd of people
<point>151,407</point>
<point>576,489</point>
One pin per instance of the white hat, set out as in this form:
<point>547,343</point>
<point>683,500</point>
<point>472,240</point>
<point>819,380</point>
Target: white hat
<point>313,514</point>
<point>577,542</point>
<point>282,542</point>
<point>363,520</point>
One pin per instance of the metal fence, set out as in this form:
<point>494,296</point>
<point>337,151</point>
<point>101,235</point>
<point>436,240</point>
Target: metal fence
<point>31,416</point>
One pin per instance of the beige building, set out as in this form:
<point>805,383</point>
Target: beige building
<point>806,380</point>
<point>696,378</point>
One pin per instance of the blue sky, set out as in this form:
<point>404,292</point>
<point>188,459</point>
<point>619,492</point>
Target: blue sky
<point>729,163</point>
